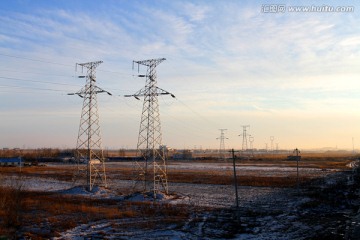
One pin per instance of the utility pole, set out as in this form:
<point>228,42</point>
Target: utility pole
<point>222,143</point>
<point>89,150</point>
<point>297,152</point>
<point>353,145</point>
<point>235,179</point>
<point>150,171</point>
<point>244,135</point>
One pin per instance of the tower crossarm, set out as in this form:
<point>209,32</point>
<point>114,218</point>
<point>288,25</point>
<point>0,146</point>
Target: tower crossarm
<point>144,92</point>
<point>85,91</point>
<point>92,65</point>
<point>150,62</point>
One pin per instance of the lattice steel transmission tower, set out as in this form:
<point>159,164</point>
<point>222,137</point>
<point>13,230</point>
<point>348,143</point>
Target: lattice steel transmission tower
<point>272,143</point>
<point>251,141</point>
<point>150,171</point>
<point>89,153</point>
<point>222,143</point>
<point>244,135</point>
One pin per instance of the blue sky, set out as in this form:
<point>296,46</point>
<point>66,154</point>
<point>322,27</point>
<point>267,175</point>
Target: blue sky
<point>294,76</point>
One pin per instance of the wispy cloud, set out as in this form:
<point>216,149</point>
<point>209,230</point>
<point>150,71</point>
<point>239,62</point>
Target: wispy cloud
<point>225,58</point>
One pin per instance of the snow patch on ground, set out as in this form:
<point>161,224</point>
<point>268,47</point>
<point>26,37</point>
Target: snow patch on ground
<point>353,164</point>
<point>160,197</point>
<point>97,192</point>
<point>111,230</point>
<point>35,183</point>
<point>275,208</point>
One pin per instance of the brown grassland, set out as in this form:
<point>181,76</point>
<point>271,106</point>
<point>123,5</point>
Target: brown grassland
<point>54,213</point>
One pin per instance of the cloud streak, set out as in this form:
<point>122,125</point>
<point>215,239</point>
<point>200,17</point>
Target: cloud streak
<point>223,59</point>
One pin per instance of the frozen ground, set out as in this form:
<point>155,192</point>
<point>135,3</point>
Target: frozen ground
<point>242,169</point>
<point>263,213</point>
<point>35,183</point>
<point>210,195</point>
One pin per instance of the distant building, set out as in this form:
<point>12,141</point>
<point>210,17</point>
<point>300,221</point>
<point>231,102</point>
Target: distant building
<point>15,161</point>
<point>185,154</point>
<point>293,158</point>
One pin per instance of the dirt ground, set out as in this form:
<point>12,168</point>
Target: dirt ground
<point>44,202</point>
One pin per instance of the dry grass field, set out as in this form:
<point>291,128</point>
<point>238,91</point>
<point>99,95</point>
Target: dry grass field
<point>42,215</point>
<point>31,210</point>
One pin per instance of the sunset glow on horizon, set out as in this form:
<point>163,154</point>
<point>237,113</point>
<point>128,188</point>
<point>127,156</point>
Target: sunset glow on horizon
<point>294,75</point>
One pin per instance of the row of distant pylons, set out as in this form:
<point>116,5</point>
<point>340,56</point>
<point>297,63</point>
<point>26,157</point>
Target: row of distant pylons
<point>244,147</point>
<point>149,168</point>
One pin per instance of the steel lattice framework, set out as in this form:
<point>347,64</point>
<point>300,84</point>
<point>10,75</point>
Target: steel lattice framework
<point>89,153</point>
<point>150,167</point>
<point>251,141</point>
<point>244,135</point>
<point>222,143</point>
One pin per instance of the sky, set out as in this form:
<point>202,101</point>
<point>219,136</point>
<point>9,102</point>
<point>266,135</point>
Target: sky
<point>291,75</point>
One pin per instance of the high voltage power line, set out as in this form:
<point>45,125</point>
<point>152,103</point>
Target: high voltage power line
<point>55,63</point>
<point>198,130</point>
<point>36,73</point>
<point>34,60</point>
<point>198,114</point>
<point>35,88</point>
<point>46,82</point>
<point>190,126</point>
<point>37,81</point>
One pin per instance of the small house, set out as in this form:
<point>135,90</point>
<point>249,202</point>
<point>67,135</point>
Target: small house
<point>293,158</point>
<point>14,161</point>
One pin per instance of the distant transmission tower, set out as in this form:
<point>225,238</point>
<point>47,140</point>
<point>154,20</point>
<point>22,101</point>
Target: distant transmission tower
<point>222,143</point>
<point>244,135</point>
<point>150,171</point>
<point>251,140</point>
<point>89,153</point>
<point>272,143</point>
<point>353,149</point>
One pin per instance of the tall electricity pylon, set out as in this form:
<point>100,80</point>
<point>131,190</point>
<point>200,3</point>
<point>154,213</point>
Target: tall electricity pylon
<point>222,143</point>
<point>251,140</point>
<point>150,171</point>
<point>272,143</point>
<point>89,153</point>
<point>244,135</point>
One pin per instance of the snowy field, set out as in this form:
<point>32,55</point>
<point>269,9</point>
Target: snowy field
<point>264,212</point>
<point>211,195</point>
